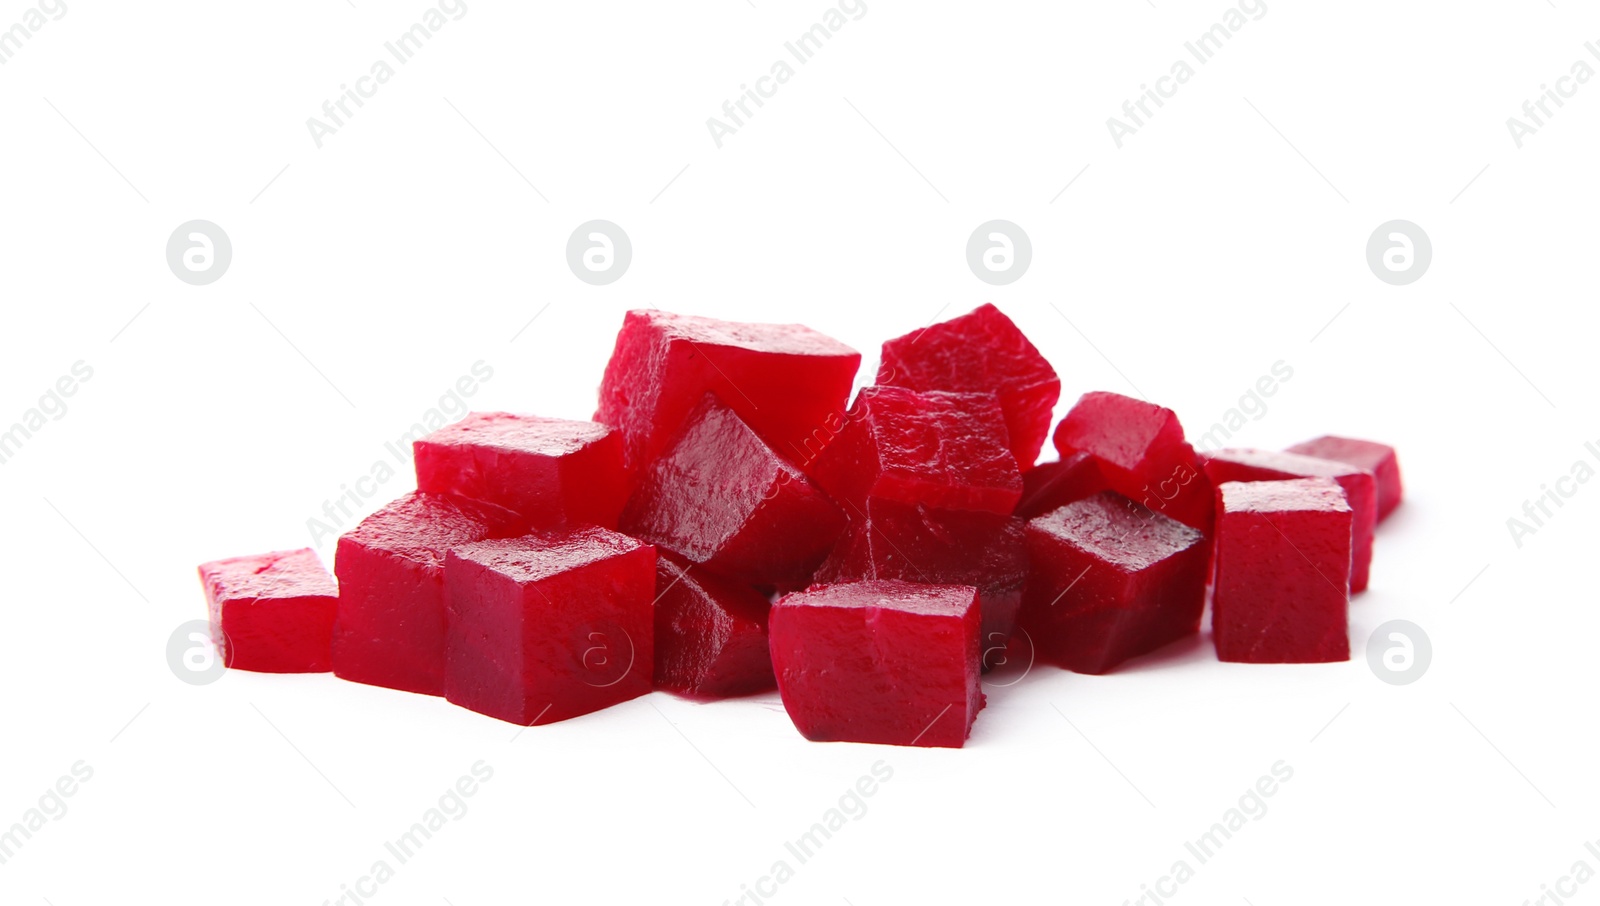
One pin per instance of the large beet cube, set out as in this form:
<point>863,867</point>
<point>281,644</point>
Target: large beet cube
<point>1052,485</point>
<point>272,612</point>
<point>788,382</point>
<point>556,473</point>
<point>723,499</point>
<point>391,625</point>
<point>550,626</point>
<point>1110,580</point>
<point>1139,448</point>
<point>946,450</point>
<point>883,661</point>
<point>1379,459</point>
<point>1360,490</point>
<point>1281,590</point>
<point>711,633</point>
<point>981,351</point>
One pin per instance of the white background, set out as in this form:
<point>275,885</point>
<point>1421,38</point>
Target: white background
<point>373,272</point>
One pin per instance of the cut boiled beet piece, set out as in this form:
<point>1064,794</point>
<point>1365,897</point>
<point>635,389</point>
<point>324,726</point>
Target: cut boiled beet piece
<point>1052,485</point>
<point>893,540</point>
<point>1110,580</point>
<point>272,613</point>
<point>946,450</point>
<point>391,625</point>
<point>1360,490</point>
<point>881,661</point>
<point>788,382</point>
<point>1281,590</point>
<point>1139,448</point>
<point>981,351</point>
<point>723,499</point>
<point>1379,459</point>
<point>550,625</point>
<point>555,472</point>
<point>711,633</point>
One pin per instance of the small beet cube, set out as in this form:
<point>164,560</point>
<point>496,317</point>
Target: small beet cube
<point>786,381</point>
<point>711,633</point>
<point>1140,450</point>
<point>1281,590</point>
<point>556,473</point>
<point>1360,491</point>
<point>723,499</point>
<point>550,625</point>
<point>947,450</point>
<point>391,625</point>
<point>1052,485</point>
<point>883,661</point>
<point>1110,580</point>
<point>272,613</point>
<point>1379,459</point>
<point>981,351</point>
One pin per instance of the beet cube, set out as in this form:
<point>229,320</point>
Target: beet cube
<point>947,450</point>
<point>723,499</point>
<point>272,613</point>
<point>881,661</point>
<point>556,473</point>
<point>391,625</point>
<point>1379,459</point>
<point>1139,448</point>
<point>1360,491</point>
<point>550,625</point>
<point>711,633</point>
<point>981,351</point>
<point>786,381</point>
<point>1110,580</point>
<point>1052,485</point>
<point>1281,590</point>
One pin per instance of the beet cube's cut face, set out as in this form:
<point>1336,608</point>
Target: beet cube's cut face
<point>556,473</point>
<point>946,450</point>
<point>884,662</point>
<point>710,633</point>
<point>390,629</point>
<point>725,501</point>
<point>1111,580</point>
<point>981,352</point>
<point>1281,590</point>
<point>1140,450</point>
<point>1379,459</point>
<point>272,613</point>
<point>1052,485</point>
<point>549,626</point>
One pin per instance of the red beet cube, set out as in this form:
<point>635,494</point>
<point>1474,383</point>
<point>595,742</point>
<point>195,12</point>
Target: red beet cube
<point>272,613</point>
<point>1110,580</point>
<point>893,540</point>
<point>1139,448</point>
<point>549,626</point>
<point>981,351</point>
<point>391,625</point>
<point>885,662</point>
<point>946,450</point>
<point>788,382</point>
<point>556,473</point>
<point>1052,485</point>
<point>1379,459</point>
<point>1360,491</point>
<point>711,633</point>
<point>1281,591</point>
<point>723,499</point>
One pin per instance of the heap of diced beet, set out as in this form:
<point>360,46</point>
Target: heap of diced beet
<point>550,625</point>
<point>272,613</point>
<point>555,472</point>
<point>981,352</point>
<point>1282,586</point>
<point>723,499</point>
<point>1140,450</point>
<point>390,629</point>
<point>1052,485</point>
<point>880,661</point>
<point>1379,459</point>
<point>1110,580</point>
<point>711,633</point>
<point>1359,486</point>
